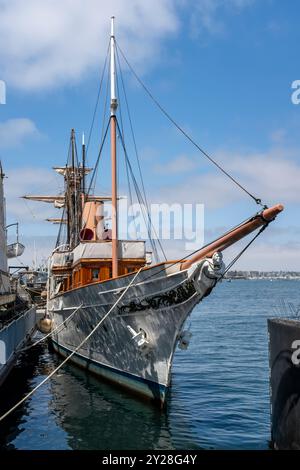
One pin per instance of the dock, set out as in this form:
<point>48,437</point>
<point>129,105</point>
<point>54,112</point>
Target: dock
<point>284,359</point>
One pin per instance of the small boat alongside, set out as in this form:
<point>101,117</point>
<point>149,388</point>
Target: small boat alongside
<point>17,314</point>
<point>34,282</point>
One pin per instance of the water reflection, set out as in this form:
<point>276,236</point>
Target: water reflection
<point>75,410</point>
<point>98,416</point>
<point>18,384</point>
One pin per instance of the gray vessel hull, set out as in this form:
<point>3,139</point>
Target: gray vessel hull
<point>153,311</point>
<point>13,337</point>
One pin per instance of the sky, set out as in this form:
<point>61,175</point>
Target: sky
<point>222,69</point>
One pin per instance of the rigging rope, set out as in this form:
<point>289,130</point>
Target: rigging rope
<point>140,198</point>
<point>98,158</point>
<point>103,126</point>
<point>132,132</point>
<point>214,162</point>
<point>72,353</point>
<point>258,214</point>
<point>60,236</point>
<point>126,163</point>
<point>94,175</point>
<point>129,172</point>
<point>243,251</point>
<point>97,100</point>
<point>233,261</point>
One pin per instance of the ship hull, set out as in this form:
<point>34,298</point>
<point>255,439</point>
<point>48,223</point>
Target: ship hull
<point>13,337</point>
<point>144,388</point>
<point>153,311</point>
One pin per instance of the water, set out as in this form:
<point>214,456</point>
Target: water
<point>219,397</point>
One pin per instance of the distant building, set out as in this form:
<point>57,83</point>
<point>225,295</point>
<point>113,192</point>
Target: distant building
<point>263,275</point>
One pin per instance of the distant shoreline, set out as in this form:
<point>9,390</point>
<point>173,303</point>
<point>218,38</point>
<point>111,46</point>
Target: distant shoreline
<point>259,275</point>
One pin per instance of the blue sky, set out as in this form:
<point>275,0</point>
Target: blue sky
<point>222,69</point>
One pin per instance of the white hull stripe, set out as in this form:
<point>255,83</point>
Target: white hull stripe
<point>139,385</point>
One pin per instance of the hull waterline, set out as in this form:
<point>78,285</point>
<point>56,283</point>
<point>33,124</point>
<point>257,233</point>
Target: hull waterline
<point>135,345</point>
<point>15,336</point>
<point>144,389</point>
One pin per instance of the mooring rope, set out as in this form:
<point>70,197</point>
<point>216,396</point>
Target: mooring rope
<point>52,331</point>
<point>72,353</point>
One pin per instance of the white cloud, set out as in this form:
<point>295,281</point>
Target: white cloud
<point>209,189</point>
<point>34,181</point>
<point>278,136</point>
<point>36,234</point>
<point>270,176</point>
<point>49,43</point>
<point>207,15</point>
<point>277,248</point>
<point>14,131</point>
<point>54,42</point>
<point>37,248</point>
<point>181,164</point>
<point>264,256</point>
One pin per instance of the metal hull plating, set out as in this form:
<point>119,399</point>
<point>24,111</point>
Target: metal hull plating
<point>154,309</point>
<point>13,337</point>
<point>142,387</point>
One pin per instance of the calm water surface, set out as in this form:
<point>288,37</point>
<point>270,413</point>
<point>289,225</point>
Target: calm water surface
<point>219,397</point>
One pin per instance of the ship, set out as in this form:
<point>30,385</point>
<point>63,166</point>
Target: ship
<point>114,311</point>
<point>34,282</point>
<point>17,314</point>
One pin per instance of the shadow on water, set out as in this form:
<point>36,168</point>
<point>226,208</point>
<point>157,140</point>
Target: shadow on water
<point>96,415</point>
<point>75,410</point>
<point>16,386</point>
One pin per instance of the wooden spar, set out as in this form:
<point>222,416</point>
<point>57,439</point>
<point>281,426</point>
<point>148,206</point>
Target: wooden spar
<point>52,199</point>
<point>113,134</point>
<point>235,235</point>
<point>82,182</point>
<point>73,148</point>
<point>114,215</point>
<point>71,199</point>
<point>57,221</point>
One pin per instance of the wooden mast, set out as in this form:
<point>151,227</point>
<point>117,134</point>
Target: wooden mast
<point>82,183</point>
<point>113,133</point>
<point>72,189</point>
